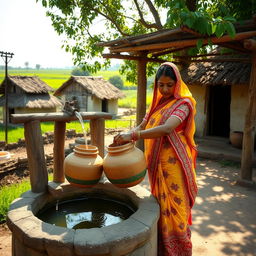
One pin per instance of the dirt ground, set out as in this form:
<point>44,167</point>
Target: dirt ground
<point>222,223</point>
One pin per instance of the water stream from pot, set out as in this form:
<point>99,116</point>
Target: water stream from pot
<point>79,116</point>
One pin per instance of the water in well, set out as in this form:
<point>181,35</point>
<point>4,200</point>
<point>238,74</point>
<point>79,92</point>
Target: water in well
<point>86,212</point>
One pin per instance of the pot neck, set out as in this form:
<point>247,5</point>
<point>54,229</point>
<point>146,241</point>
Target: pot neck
<point>86,150</point>
<point>119,149</point>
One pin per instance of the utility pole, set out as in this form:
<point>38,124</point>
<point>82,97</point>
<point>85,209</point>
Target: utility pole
<point>6,57</point>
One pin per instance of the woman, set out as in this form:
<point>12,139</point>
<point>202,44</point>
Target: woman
<point>168,129</point>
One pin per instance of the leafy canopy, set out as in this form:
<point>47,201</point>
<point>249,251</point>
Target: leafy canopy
<point>84,23</point>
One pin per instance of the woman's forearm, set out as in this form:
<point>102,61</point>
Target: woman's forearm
<point>155,132</point>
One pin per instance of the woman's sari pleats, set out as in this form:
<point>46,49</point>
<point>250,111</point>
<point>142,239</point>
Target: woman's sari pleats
<point>172,178</point>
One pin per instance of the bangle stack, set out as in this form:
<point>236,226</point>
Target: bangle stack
<point>135,135</point>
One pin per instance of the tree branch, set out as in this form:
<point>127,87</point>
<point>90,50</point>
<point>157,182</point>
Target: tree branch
<point>142,20</point>
<point>112,20</point>
<point>155,14</point>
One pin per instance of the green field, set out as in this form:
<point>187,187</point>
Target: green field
<point>56,77</point>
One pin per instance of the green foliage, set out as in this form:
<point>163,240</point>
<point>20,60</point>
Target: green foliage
<point>80,72</point>
<point>116,81</point>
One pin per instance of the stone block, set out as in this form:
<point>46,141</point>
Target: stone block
<point>90,242</point>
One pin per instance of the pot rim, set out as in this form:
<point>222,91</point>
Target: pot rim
<point>86,149</point>
<point>120,148</point>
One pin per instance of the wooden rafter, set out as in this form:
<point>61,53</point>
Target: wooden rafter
<point>185,43</point>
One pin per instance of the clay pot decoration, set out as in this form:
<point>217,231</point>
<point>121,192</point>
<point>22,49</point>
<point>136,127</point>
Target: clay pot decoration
<point>83,167</point>
<point>124,165</point>
<point>236,139</point>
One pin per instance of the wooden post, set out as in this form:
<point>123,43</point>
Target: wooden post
<point>141,95</point>
<point>250,120</point>
<point>58,151</point>
<point>36,158</point>
<point>97,129</point>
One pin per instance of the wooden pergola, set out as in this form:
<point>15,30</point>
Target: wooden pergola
<point>150,47</point>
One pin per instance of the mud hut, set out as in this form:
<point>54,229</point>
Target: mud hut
<point>28,94</point>
<point>221,90</point>
<point>92,93</point>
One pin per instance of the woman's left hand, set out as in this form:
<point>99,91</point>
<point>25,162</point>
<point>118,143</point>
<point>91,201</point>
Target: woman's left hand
<point>123,137</point>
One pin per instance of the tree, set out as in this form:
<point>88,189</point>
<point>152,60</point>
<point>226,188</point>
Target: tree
<point>116,81</point>
<point>26,64</point>
<point>38,66</point>
<point>77,19</point>
<point>80,72</point>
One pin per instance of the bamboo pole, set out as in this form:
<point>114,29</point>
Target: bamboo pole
<point>249,127</point>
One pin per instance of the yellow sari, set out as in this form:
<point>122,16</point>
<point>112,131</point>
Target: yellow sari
<point>171,168</point>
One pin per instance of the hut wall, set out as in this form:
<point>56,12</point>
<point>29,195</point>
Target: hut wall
<point>239,103</point>
<point>198,93</point>
<point>83,97</point>
<point>96,103</point>
<point>113,106</point>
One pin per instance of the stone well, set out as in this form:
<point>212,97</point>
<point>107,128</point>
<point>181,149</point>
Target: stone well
<point>135,236</point>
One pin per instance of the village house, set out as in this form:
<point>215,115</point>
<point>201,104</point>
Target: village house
<point>221,91</point>
<point>28,94</point>
<point>92,93</point>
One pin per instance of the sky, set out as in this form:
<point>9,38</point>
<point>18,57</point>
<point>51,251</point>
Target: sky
<point>28,33</point>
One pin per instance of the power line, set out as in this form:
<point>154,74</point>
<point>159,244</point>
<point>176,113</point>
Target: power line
<point>6,56</point>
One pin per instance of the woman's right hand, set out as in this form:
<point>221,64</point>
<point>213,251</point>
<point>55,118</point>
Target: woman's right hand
<point>123,137</point>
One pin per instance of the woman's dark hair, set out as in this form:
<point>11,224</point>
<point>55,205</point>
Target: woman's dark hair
<point>166,70</point>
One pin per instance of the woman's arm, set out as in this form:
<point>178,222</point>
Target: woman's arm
<point>158,131</point>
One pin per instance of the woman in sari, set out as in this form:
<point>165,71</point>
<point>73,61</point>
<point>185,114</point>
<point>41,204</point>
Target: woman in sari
<point>168,129</point>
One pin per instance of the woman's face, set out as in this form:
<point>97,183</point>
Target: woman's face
<point>166,86</point>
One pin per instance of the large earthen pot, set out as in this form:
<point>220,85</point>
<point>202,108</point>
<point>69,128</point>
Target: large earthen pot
<point>124,165</point>
<point>236,139</point>
<point>83,167</point>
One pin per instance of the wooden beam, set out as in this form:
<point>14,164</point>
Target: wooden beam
<point>168,51</point>
<point>250,44</point>
<point>146,37</point>
<point>130,57</point>
<point>97,130</point>
<point>238,48</point>
<point>185,43</point>
<point>57,116</point>
<point>222,60</point>
<point>249,128</point>
<point>36,158</point>
<point>58,152</point>
<point>141,95</point>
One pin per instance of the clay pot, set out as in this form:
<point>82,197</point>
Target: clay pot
<point>83,167</point>
<point>124,165</point>
<point>4,155</point>
<point>236,139</point>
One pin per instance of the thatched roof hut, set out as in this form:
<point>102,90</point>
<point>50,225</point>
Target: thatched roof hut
<point>217,73</point>
<point>97,86</point>
<point>92,93</point>
<point>28,94</point>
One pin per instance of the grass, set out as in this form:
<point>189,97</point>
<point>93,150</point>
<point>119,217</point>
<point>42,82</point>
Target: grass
<point>16,133</point>
<point>56,77</point>
<point>11,192</point>
<point>8,194</point>
<point>130,100</point>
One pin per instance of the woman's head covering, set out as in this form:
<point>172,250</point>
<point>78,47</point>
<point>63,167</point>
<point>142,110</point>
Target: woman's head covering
<point>181,91</point>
